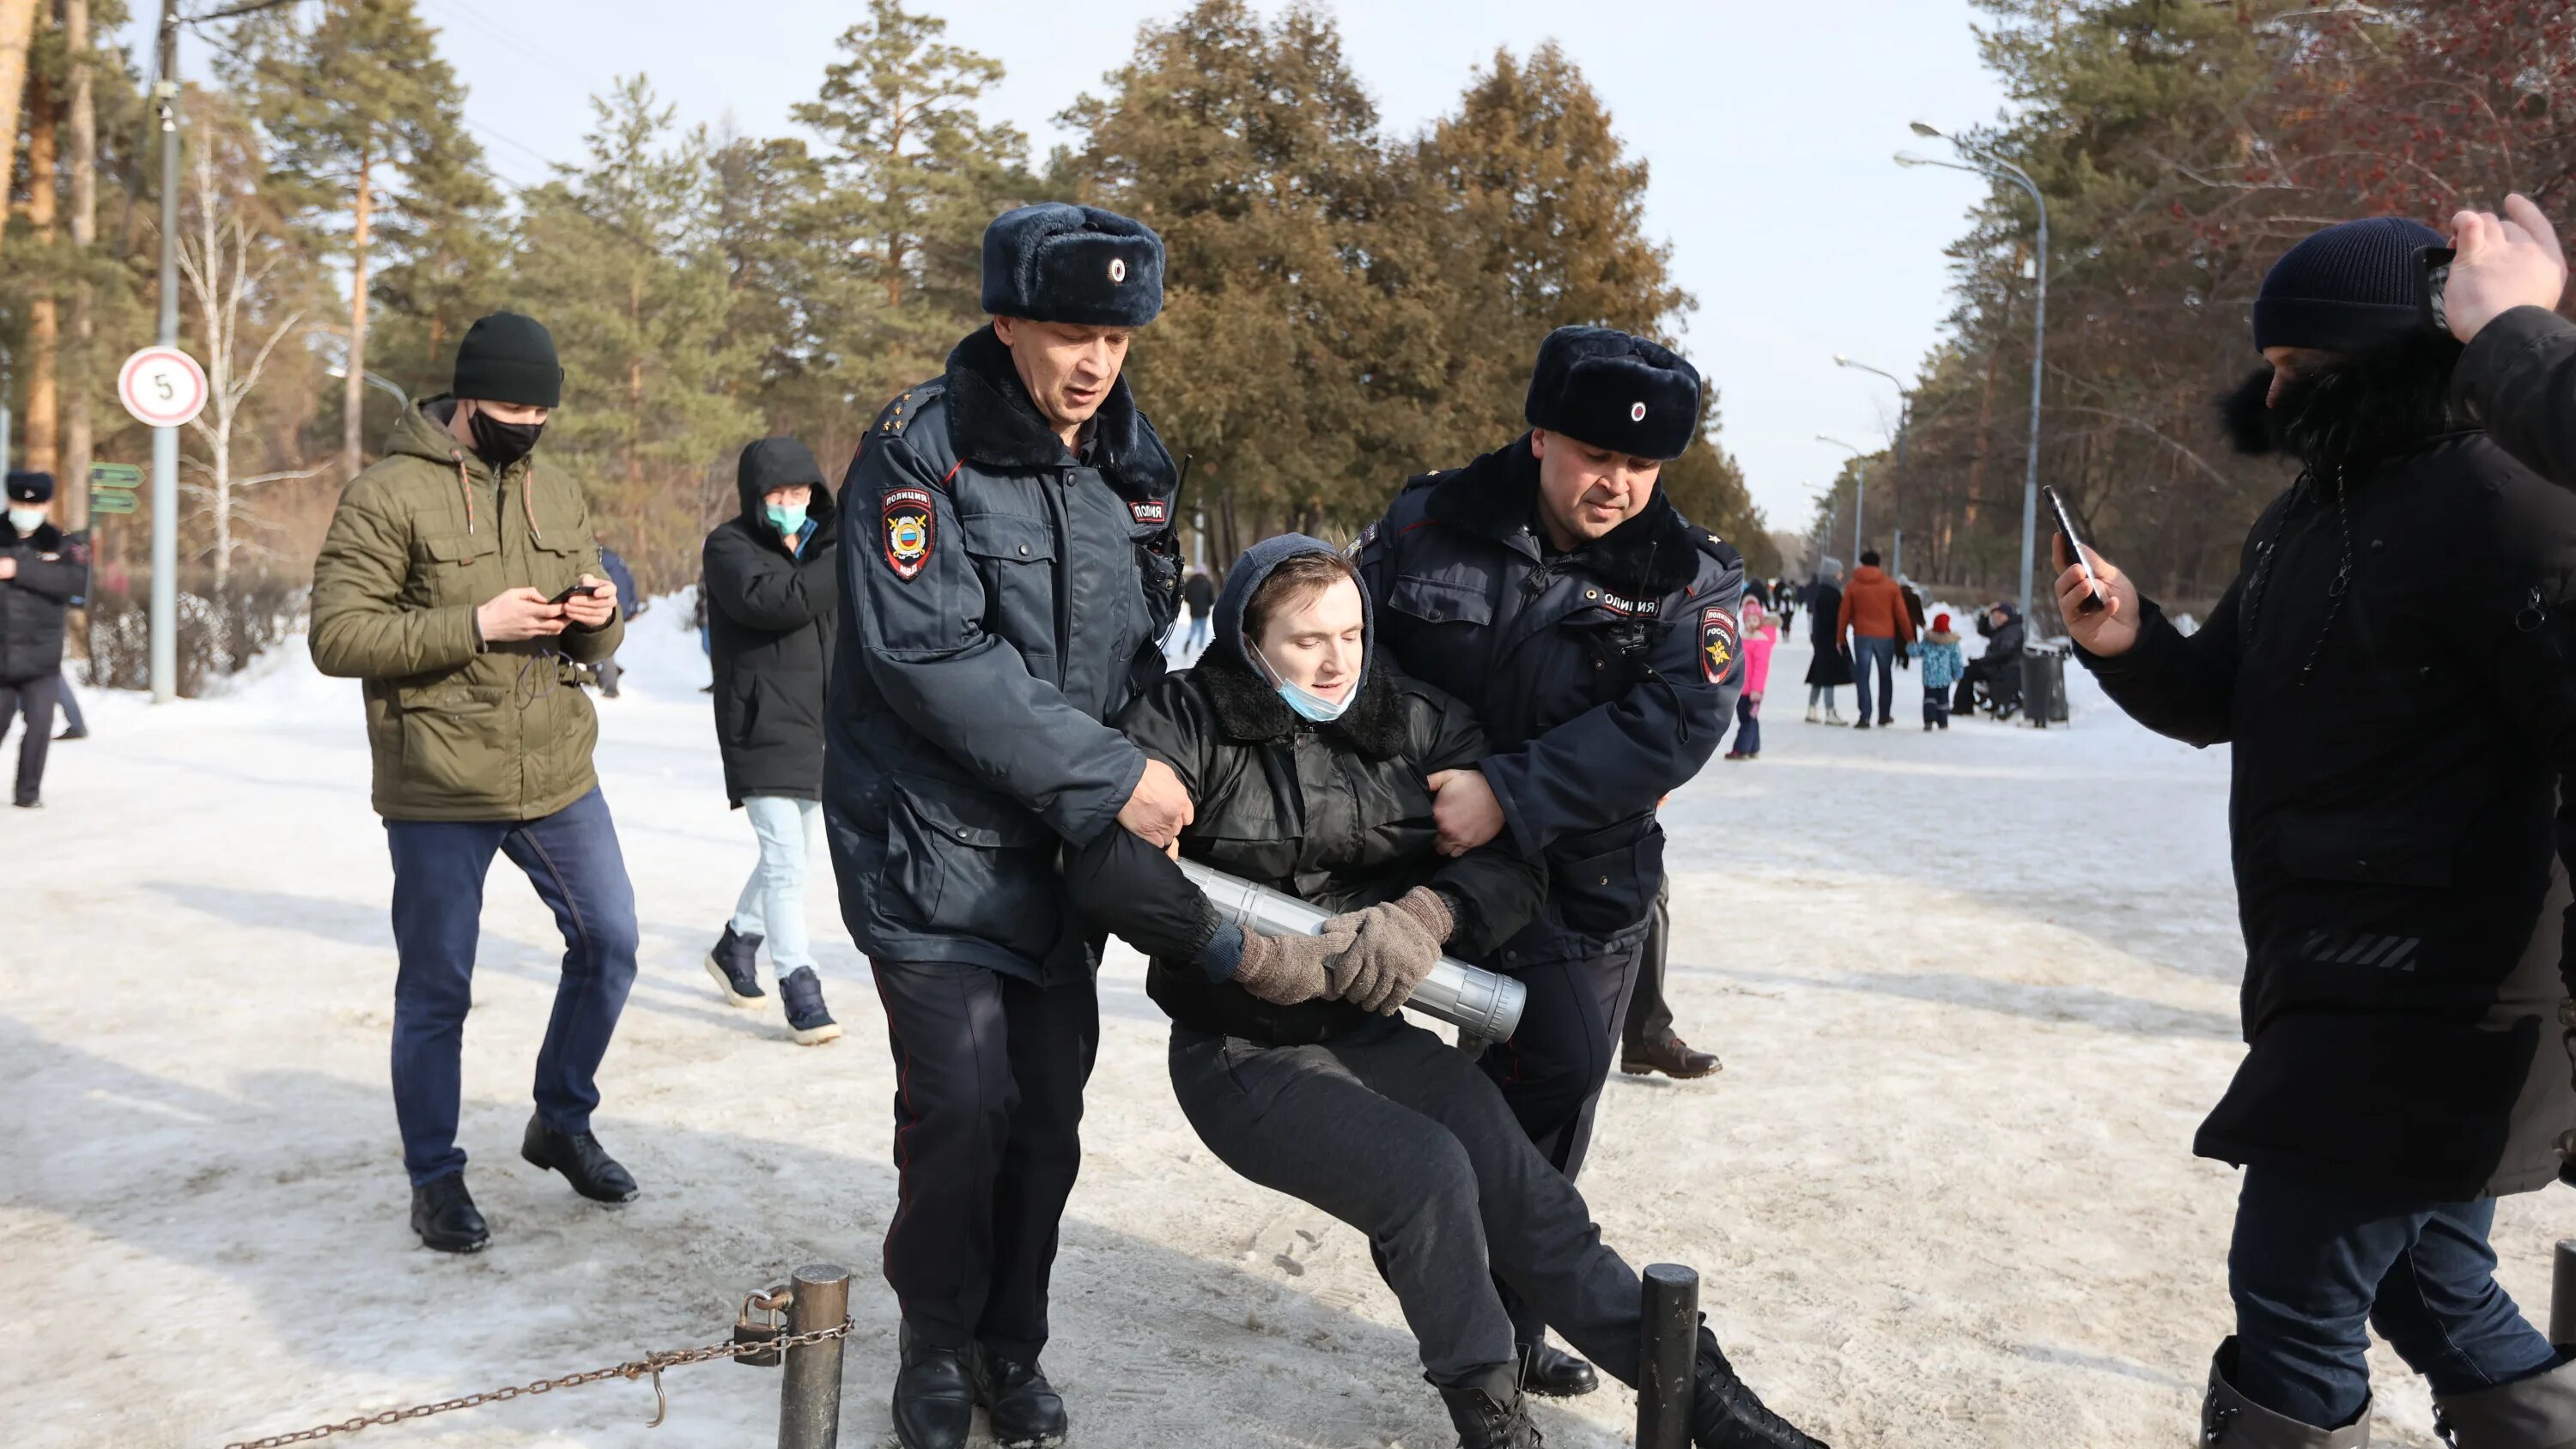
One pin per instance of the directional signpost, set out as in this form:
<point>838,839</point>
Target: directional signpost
<point>111,487</point>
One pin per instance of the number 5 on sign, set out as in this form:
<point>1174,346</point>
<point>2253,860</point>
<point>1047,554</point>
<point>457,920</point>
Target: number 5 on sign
<point>162,387</point>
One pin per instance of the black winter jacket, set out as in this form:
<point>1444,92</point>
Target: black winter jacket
<point>2398,745</point>
<point>770,623</point>
<point>1605,677</point>
<point>1335,814</point>
<point>1002,598</point>
<point>2519,379</point>
<point>51,573</point>
<point>2003,641</point>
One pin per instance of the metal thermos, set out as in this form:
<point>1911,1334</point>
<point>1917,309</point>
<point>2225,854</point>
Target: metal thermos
<point>1486,1004</point>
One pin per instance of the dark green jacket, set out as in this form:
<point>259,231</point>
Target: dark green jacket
<point>459,731</point>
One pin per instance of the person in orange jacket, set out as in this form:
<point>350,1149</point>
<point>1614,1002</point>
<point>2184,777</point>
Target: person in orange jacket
<point>1875,618</point>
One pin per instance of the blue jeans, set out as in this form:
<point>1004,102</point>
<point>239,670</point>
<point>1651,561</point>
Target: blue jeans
<point>572,858</point>
<point>1748,726</point>
<point>1868,653</point>
<point>773,900</point>
<point>2312,1269</point>
<point>1198,637</point>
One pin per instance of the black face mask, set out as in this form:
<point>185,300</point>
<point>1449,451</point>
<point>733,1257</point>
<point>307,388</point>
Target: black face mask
<point>502,444</point>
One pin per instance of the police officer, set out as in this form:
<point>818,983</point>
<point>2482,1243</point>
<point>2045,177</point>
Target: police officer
<point>1008,569</point>
<point>1553,585</point>
<point>42,570</point>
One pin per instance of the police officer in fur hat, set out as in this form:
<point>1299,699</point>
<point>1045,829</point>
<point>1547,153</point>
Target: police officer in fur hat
<point>1553,586</point>
<point>1008,567</point>
<point>41,572</point>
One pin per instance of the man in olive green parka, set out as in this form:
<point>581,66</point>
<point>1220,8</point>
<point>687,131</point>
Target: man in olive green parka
<point>461,582</point>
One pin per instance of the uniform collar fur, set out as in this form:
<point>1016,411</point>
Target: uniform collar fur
<point>1251,712</point>
<point>991,420</point>
<point>1648,556</point>
<point>47,538</point>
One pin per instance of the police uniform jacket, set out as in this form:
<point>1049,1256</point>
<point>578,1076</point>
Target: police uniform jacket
<point>1001,596</point>
<point>52,572</point>
<point>2395,668</point>
<point>1603,676</point>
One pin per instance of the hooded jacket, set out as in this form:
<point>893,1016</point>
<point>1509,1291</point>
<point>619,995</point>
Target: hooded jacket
<point>460,729</point>
<point>1873,607</point>
<point>52,571</point>
<point>1605,676</point>
<point>1336,814</point>
<point>771,614</point>
<point>1942,661</point>
<point>1003,597</point>
<point>2391,668</point>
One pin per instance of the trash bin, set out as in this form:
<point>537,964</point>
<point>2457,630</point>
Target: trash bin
<point>2043,684</point>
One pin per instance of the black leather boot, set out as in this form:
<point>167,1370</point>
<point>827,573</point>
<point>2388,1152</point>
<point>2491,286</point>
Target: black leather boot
<point>579,1157</point>
<point>1024,1409</point>
<point>443,1213</point>
<point>1726,1415</point>
<point>2229,1420</point>
<point>1489,1411</point>
<point>934,1396</point>
<point>1553,1373</point>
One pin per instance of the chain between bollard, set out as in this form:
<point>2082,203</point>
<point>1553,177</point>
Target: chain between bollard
<point>651,1365</point>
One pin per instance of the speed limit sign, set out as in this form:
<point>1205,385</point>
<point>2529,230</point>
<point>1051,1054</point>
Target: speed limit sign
<point>162,386</point>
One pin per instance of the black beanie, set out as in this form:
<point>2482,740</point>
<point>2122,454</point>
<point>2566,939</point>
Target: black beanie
<point>2352,287</point>
<point>507,358</point>
<point>30,487</point>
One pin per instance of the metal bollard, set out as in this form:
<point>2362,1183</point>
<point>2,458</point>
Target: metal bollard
<point>809,1396</point>
<point>1668,1357</point>
<point>2562,1293</point>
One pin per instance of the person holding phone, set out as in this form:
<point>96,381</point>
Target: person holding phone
<point>2395,770</point>
<point>461,582</point>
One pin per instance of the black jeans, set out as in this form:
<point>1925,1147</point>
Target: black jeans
<point>1649,1018</point>
<point>1395,1133</point>
<point>572,858</point>
<point>989,1072</point>
<point>35,699</point>
<point>2313,1269</point>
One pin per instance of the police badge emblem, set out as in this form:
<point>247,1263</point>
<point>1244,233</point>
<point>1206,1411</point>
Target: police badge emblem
<point>908,535</point>
<point>1719,641</point>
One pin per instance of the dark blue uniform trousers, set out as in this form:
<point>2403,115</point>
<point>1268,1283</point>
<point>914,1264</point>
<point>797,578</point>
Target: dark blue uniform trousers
<point>1552,1069</point>
<point>2313,1269</point>
<point>989,1072</point>
<point>572,858</point>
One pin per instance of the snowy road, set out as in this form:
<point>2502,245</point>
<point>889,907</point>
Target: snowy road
<point>1973,992</point>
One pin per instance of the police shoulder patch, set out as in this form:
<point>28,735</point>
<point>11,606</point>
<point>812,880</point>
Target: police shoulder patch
<point>909,531</point>
<point>1720,640</point>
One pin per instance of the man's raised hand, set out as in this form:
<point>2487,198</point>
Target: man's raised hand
<point>2503,263</point>
<point>2109,630</point>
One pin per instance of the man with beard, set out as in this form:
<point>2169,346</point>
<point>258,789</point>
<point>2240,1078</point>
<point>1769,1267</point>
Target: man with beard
<point>2395,767</point>
<point>1553,586</point>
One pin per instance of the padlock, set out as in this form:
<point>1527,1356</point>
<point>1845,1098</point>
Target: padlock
<point>746,1331</point>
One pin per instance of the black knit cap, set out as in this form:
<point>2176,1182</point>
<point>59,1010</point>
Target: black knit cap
<point>2352,287</point>
<point>1601,386</point>
<point>30,487</point>
<point>507,358</point>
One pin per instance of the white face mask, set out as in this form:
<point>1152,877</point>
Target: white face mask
<point>26,520</point>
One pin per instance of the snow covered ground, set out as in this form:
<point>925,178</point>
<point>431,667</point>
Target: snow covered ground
<point>1973,991</point>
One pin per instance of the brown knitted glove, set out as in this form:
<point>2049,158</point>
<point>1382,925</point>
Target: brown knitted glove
<point>1289,970</point>
<point>1398,943</point>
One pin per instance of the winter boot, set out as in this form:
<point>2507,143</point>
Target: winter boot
<point>934,1395</point>
<point>734,962</point>
<point>1024,1409</point>
<point>2534,1413</point>
<point>1861,723</point>
<point>1726,1415</point>
<point>1670,1055</point>
<point>801,992</point>
<point>1553,1373</point>
<point>1815,715</point>
<point>579,1157</point>
<point>443,1213</point>
<point>2229,1420</point>
<point>1833,715</point>
<point>1489,1411</point>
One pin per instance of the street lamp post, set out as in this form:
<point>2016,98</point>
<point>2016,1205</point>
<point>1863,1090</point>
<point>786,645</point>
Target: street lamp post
<point>1860,484</point>
<point>1997,168</point>
<point>1904,424</point>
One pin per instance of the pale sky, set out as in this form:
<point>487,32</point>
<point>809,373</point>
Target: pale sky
<point>1768,127</point>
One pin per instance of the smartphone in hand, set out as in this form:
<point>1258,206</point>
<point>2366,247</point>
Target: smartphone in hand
<point>2075,546</point>
<point>576,591</point>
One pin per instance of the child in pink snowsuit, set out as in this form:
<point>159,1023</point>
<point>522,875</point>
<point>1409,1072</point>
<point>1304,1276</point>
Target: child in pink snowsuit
<point>1761,632</point>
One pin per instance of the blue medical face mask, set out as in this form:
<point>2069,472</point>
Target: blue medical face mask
<point>1310,706</point>
<point>788,521</point>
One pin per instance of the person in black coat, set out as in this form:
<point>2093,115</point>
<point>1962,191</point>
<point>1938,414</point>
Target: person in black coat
<point>39,577</point>
<point>2395,831</point>
<point>1305,755</point>
<point>1198,596</point>
<point>772,579</point>
<point>1831,668</point>
<point>1999,668</point>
